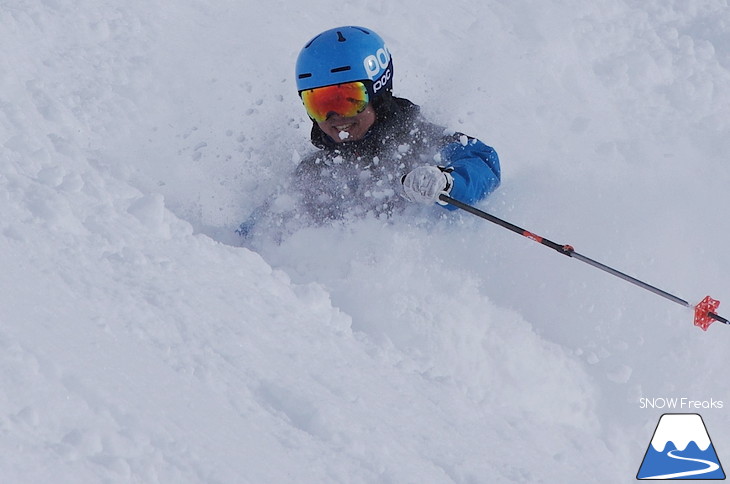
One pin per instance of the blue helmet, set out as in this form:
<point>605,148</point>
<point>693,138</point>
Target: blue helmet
<point>345,54</point>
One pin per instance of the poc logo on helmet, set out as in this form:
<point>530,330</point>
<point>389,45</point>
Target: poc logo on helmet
<point>382,82</point>
<point>375,63</point>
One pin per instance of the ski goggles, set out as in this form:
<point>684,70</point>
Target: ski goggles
<point>347,100</point>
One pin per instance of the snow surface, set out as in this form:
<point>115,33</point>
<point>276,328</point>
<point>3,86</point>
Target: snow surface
<point>140,343</point>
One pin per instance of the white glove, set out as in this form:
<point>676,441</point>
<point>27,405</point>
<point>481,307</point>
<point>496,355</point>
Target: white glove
<point>425,183</point>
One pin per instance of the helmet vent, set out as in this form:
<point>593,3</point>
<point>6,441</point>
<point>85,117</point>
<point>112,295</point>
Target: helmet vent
<point>306,75</point>
<point>340,69</point>
<point>340,37</point>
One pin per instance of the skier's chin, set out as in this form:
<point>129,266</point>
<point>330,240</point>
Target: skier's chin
<point>348,129</point>
<point>345,132</point>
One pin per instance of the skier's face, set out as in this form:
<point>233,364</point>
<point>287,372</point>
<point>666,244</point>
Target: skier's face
<point>342,129</point>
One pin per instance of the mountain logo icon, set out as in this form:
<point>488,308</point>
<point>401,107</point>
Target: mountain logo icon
<point>680,449</point>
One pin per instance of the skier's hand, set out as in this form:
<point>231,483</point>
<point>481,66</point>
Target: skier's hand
<point>425,183</point>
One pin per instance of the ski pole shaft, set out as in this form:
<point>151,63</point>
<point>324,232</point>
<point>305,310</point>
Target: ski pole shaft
<point>563,249</point>
<point>630,279</point>
<point>703,311</point>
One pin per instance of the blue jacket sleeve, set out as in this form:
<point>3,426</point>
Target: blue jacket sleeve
<point>475,169</point>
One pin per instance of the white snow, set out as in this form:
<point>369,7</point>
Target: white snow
<point>140,343</point>
<point>680,429</point>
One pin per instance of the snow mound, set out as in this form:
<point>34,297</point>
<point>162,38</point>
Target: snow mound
<point>139,342</point>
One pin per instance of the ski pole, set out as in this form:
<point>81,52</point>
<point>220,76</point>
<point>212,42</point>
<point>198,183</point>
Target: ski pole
<point>704,311</point>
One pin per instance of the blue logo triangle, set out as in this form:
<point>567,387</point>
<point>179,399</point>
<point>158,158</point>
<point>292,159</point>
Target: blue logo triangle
<point>680,449</point>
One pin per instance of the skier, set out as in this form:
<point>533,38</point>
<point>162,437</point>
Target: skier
<point>376,150</point>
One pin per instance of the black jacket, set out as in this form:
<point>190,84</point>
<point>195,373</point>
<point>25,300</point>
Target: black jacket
<point>342,181</point>
<point>350,179</point>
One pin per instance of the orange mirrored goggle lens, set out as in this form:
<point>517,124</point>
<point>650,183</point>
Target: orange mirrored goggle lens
<point>344,99</point>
